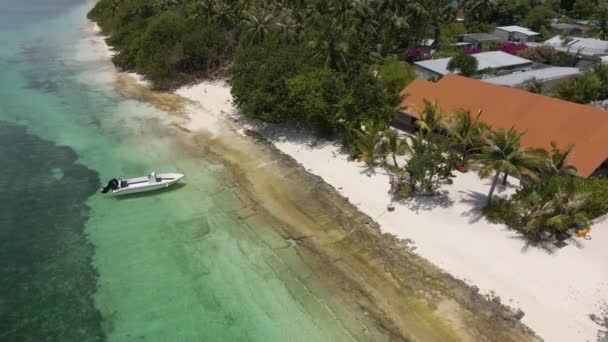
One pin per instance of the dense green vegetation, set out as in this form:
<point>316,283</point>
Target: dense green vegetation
<point>331,64</point>
<point>586,88</point>
<point>168,43</point>
<point>464,64</point>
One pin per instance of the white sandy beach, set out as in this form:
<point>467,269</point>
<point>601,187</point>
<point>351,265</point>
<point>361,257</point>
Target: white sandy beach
<point>557,290</point>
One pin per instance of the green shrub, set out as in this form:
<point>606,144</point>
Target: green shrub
<point>500,211</point>
<point>597,189</point>
<point>395,75</point>
<point>403,191</point>
<point>259,75</point>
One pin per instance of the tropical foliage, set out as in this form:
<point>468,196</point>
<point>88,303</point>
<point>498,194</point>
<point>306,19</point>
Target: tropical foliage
<point>581,89</point>
<point>504,155</point>
<point>171,42</point>
<point>464,64</point>
<point>431,118</point>
<point>534,85</point>
<point>368,143</point>
<point>545,54</point>
<point>431,164</point>
<point>468,133</point>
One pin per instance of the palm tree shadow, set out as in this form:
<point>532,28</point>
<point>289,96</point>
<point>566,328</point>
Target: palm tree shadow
<point>427,203</point>
<point>151,193</point>
<point>477,202</point>
<point>368,170</point>
<point>544,245</point>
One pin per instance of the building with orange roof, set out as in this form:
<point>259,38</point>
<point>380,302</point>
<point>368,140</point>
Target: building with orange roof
<point>544,119</point>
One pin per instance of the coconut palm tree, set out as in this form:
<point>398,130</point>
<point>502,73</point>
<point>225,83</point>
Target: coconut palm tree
<point>115,5</point>
<point>331,46</point>
<point>223,13</point>
<point>257,25</point>
<point>431,118</point>
<point>479,10</point>
<point>567,204</point>
<point>393,144</point>
<point>287,27</point>
<point>438,12</point>
<point>368,143</point>
<point>504,154</point>
<point>468,132</point>
<point>555,161</point>
<point>397,7</point>
<point>558,213</point>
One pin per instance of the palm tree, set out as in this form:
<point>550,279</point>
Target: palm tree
<point>115,5</point>
<point>468,132</point>
<point>568,203</point>
<point>199,9</point>
<point>479,10</point>
<point>331,46</point>
<point>555,161</point>
<point>287,27</point>
<point>601,15</point>
<point>393,144</point>
<point>561,211</point>
<point>364,17</point>
<point>431,118</point>
<point>396,7</point>
<point>504,154</point>
<point>258,25</point>
<point>368,143</point>
<point>438,13</point>
<point>223,13</point>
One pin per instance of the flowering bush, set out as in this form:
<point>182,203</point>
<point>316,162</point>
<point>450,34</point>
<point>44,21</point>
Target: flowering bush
<point>415,54</point>
<point>548,55</point>
<point>471,51</point>
<point>512,48</point>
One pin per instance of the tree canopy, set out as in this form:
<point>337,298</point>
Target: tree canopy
<point>464,64</point>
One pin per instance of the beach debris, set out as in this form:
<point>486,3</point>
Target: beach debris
<point>602,321</point>
<point>519,314</point>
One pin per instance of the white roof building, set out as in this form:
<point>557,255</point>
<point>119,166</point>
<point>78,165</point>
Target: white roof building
<point>518,29</point>
<point>485,60</point>
<point>589,47</point>
<point>515,33</point>
<point>544,75</point>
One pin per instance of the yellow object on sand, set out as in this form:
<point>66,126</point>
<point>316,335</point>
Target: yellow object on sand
<point>582,232</point>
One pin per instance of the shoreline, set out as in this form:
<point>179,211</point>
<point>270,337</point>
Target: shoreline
<point>451,233</point>
<point>364,192</point>
<point>368,273</point>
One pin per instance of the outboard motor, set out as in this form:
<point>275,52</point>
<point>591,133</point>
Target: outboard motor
<point>112,185</point>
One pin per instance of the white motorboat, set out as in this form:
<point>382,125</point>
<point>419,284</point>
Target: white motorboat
<point>153,181</point>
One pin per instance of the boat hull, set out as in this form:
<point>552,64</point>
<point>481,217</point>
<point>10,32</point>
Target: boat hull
<point>168,180</point>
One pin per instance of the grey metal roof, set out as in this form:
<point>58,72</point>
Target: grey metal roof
<point>584,46</point>
<point>481,37</point>
<point>518,29</point>
<point>545,74</point>
<point>485,60</point>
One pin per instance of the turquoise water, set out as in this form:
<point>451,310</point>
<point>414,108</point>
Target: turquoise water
<point>78,266</point>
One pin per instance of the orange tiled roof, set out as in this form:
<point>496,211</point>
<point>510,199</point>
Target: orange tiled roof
<point>544,118</point>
